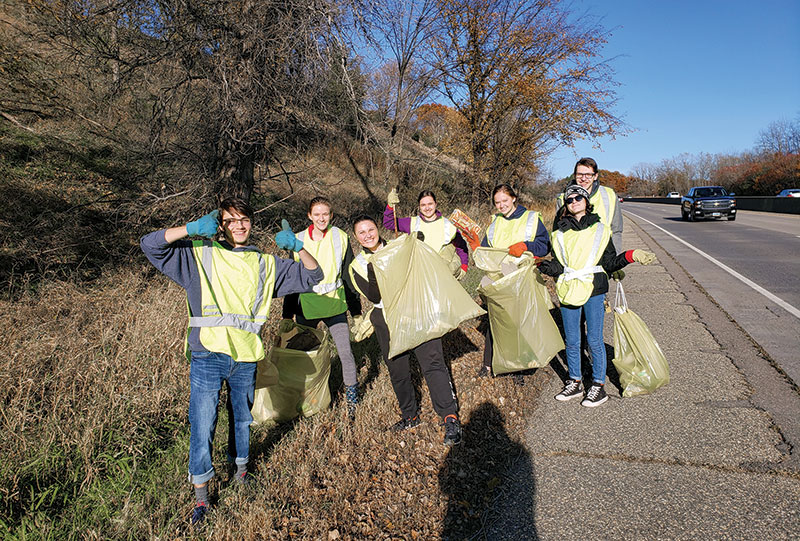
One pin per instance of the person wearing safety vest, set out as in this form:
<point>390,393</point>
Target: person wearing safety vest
<point>583,256</point>
<point>437,230</point>
<point>229,287</point>
<point>333,296</point>
<point>602,198</point>
<point>429,354</point>
<point>518,230</point>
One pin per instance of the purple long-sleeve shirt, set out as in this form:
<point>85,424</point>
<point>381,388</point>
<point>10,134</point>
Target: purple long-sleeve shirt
<point>404,226</point>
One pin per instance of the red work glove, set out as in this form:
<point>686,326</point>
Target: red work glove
<point>517,249</point>
<point>472,239</point>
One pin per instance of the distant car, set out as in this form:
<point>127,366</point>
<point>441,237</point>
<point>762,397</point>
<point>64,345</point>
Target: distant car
<point>708,202</point>
<point>791,192</point>
<point>620,199</point>
<point>673,194</point>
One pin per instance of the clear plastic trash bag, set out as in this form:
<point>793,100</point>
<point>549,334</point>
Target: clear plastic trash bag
<point>421,298</point>
<point>638,358</point>
<point>524,334</point>
<point>292,382</point>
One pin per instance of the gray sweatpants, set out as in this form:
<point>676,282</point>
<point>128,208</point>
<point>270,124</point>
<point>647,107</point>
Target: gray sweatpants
<point>341,337</point>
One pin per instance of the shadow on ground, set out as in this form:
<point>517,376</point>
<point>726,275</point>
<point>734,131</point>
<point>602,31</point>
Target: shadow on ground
<point>477,477</point>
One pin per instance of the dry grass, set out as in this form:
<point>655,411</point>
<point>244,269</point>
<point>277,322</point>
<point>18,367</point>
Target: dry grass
<point>94,391</point>
<point>94,433</point>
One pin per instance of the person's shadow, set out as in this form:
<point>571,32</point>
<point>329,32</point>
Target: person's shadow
<point>488,479</point>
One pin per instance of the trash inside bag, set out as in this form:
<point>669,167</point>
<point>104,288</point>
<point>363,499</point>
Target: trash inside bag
<point>524,334</point>
<point>638,358</point>
<point>293,379</point>
<point>421,298</point>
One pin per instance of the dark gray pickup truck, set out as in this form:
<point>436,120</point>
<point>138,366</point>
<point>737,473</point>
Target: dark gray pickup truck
<point>708,202</point>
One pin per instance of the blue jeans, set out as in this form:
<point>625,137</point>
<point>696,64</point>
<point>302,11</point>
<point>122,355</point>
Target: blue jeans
<point>571,316</point>
<point>208,372</point>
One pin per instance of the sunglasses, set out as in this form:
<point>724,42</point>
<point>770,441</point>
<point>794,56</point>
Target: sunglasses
<point>570,200</point>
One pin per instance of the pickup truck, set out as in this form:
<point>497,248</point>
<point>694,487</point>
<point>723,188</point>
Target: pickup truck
<point>708,202</point>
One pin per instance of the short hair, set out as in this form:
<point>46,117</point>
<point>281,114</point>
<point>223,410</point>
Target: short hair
<point>426,193</point>
<point>363,218</point>
<point>586,162</point>
<point>238,204</point>
<point>505,188</point>
<point>319,200</point>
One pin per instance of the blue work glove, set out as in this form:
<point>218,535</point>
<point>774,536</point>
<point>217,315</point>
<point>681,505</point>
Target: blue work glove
<point>206,226</point>
<point>285,238</point>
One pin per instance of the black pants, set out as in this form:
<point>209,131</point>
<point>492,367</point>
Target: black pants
<point>488,345</point>
<point>431,359</point>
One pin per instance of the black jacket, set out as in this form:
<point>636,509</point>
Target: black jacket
<point>610,261</point>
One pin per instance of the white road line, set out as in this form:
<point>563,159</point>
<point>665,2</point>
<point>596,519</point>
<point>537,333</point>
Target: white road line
<point>774,298</point>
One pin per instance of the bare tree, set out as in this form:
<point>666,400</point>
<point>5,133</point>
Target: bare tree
<point>213,83</point>
<point>526,77</point>
<point>780,137</point>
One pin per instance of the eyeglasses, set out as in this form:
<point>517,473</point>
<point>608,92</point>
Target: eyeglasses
<point>584,175</point>
<point>230,221</point>
<point>570,200</point>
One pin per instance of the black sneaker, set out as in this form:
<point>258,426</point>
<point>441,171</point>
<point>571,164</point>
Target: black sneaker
<point>596,396</point>
<point>199,515</point>
<point>452,430</point>
<point>484,372</point>
<point>405,424</point>
<point>572,389</point>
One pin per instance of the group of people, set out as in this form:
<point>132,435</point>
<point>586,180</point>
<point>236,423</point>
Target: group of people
<point>230,284</point>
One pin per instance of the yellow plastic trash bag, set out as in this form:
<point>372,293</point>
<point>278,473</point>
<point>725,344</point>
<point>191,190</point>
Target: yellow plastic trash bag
<point>449,255</point>
<point>524,334</point>
<point>638,358</point>
<point>421,298</point>
<point>293,379</point>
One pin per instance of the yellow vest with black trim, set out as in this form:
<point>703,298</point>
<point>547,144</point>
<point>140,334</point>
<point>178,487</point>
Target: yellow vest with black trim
<point>236,292</point>
<point>328,298</point>
<point>502,233</point>
<point>438,233</point>
<point>359,266</point>
<point>604,201</point>
<point>579,252</point>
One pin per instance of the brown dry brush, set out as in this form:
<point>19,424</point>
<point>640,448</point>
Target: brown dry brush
<point>93,377</point>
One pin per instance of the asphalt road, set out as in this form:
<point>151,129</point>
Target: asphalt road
<point>750,267</point>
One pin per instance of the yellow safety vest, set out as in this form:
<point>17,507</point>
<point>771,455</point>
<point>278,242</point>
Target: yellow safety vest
<point>328,298</point>
<point>236,292</point>
<point>359,266</point>
<point>604,202</point>
<point>438,233</point>
<point>502,232</point>
<point>579,252</point>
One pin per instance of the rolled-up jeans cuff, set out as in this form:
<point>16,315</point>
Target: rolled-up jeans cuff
<point>202,478</point>
<point>239,460</point>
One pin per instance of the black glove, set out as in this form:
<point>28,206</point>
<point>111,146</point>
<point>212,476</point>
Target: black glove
<point>545,267</point>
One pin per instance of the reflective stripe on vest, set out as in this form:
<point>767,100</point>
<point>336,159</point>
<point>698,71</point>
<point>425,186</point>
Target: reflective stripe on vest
<point>359,266</point>
<point>508,232</point>
<point>213,315</point>
<point>331,269</point>
<point>438,233</point>
<point>575,285</point>
<point>236,288</point>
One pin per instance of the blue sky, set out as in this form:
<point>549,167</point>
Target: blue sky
<point>703,76</point>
